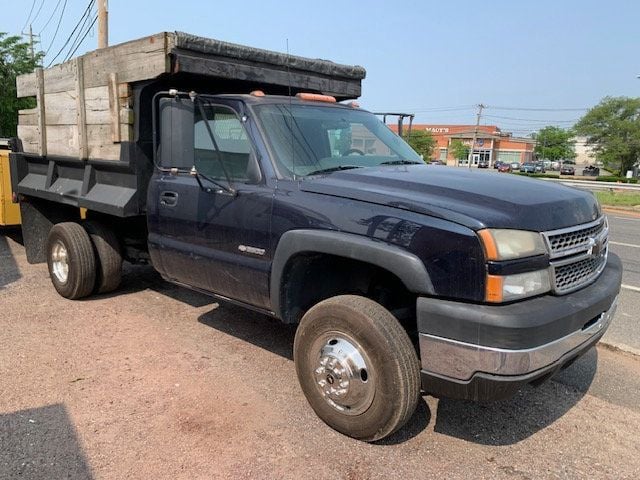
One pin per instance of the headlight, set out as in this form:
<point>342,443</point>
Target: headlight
<point>514,287</point>
<point>504,244</point>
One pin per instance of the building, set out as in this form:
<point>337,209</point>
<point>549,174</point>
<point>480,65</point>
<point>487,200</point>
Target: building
<point>491,145</point>
<point>584,151</point>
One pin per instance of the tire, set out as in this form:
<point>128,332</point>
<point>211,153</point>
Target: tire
<point>108,258</point>
<point>381,397</point>
<point>71,261</point>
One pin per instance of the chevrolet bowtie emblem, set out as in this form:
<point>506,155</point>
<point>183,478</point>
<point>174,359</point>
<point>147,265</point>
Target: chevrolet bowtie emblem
<point>595,247</point>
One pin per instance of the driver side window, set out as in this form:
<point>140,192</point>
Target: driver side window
<point>223,146</point>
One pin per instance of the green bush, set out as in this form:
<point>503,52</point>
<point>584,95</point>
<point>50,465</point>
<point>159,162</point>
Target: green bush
<point>540,175</point>
<point>613,178</point>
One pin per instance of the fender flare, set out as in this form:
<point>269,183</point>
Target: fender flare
<point>405,265</point>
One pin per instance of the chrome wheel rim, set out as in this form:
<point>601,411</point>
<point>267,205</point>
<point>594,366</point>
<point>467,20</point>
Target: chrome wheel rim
<point>60,262</point>
<point>343,373</point>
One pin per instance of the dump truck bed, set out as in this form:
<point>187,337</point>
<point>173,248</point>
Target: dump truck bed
<point>87,142</point>
<point>85,105</point>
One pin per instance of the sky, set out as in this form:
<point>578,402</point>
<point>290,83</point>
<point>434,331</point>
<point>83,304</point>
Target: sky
<point>530,63</point>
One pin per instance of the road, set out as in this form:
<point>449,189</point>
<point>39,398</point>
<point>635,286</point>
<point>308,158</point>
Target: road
<point>624,240</point>
<point>160,382</point>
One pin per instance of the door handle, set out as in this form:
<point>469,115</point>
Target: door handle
<point>169,199</point>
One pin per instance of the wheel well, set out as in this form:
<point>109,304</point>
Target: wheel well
<point>39,216</point>
<point>309,278</point>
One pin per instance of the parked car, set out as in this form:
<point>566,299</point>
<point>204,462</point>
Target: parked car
<point>497,164</point>
<point>567,170</point>
<point>515,166</point>
<point>504,167</point>
<point>591,170</point>
<point>540,167</point>
<point>528,168</point>
<point>483,164</point>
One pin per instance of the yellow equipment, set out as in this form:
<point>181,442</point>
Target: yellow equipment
<point>9,211</point>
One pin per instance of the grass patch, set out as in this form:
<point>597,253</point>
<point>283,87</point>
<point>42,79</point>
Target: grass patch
<point>618,199</point>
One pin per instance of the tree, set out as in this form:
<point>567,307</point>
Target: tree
<point>459,150</point>
<point>15,59</point>
<point>554,143</point>
<point>422,142</point>
<point>612,128</point>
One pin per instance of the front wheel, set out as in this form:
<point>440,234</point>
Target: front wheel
<point>357,367</point>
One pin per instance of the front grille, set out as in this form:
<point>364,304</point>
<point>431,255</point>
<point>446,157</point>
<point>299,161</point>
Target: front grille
<point>565,240</point>
<point>574,275</point>
<point>578,254</point>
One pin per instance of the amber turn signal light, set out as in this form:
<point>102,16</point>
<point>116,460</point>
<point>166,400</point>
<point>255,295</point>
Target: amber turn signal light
<point>494,288</point>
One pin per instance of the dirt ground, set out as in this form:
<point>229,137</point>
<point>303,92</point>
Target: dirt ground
<point>158,382</point>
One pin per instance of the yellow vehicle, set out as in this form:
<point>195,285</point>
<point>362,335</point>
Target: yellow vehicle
<point>9,211</point>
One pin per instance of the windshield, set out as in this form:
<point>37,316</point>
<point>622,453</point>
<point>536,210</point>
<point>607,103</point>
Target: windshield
<point>312,139</point>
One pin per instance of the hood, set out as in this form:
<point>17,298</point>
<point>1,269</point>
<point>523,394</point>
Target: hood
<point>469,197</point>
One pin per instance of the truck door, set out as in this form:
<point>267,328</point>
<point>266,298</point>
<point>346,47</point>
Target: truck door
<point>225,219</point>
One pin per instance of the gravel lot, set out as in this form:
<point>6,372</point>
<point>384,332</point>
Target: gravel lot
<point>160,382</point>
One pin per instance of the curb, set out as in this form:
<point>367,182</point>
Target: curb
<point>632,212</point>
<point>619,347</point>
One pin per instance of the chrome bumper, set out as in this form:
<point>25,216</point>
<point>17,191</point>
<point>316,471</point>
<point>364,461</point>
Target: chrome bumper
<point>460,360</point>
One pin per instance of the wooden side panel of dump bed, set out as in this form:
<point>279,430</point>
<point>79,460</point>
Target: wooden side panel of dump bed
<point>84,106</point>
<point>88,142</point>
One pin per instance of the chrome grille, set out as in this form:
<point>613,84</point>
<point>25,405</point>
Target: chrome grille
<point>563,242</point>
<point>567,277</point>
<point>578,254</point>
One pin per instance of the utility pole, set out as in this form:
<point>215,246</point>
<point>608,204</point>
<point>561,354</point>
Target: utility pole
<point>31,42</point>
<point>103,24</point>
<point>475,133</point>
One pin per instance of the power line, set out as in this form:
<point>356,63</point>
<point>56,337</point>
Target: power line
<point>50,17</point>
<point>538,109</point>
<point>85,36</point>
<point>56,32</point>
<point>531,120</point>
<point>432,109</point>
<point>29,17</point>
<point>452,109</point>
<point>81,33</point>
<point>86,12</point>
<point>38,12</point>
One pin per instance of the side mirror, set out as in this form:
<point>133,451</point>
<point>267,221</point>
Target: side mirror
<point>253,168</point>
<point>176,133</point>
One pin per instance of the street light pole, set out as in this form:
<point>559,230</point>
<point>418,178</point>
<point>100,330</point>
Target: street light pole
<point>475,133</point>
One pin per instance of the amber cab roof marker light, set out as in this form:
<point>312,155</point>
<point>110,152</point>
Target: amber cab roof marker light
<point>316,97</point>
<point>354,104</point>
<point>257,93</point>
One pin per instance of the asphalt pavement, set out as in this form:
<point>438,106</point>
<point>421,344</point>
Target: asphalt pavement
<point>157,381</point>
<point>624,241</point>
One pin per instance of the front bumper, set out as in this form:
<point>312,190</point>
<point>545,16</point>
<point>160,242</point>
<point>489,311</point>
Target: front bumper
<point>486,352</point>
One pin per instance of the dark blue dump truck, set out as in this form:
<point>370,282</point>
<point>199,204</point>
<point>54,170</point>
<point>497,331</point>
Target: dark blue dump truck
<point>250,176</point>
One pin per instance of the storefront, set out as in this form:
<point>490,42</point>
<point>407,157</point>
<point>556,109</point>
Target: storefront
<point>491,144</point>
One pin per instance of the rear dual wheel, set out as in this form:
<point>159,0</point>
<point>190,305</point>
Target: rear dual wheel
<point>83,259</point>
<point>357,367</point>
